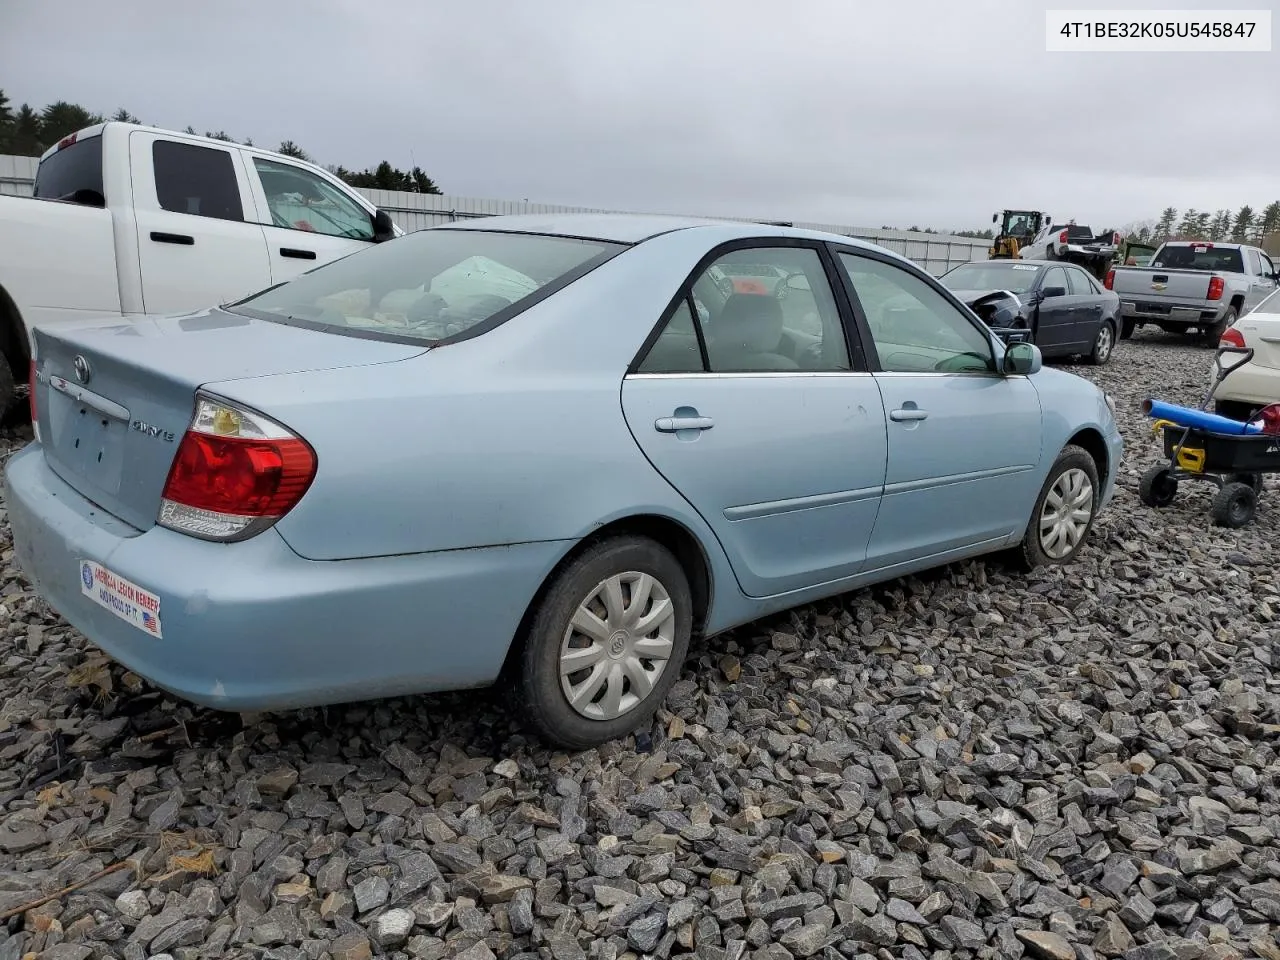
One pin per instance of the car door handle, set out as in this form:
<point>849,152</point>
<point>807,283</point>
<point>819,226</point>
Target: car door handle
<point>674,424</point>
<point>297,254</point>
<point>908,414</point>
<point>179,238</point>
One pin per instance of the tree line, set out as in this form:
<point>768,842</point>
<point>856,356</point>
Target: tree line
<point>28,132</point>
<point>1246,225</point>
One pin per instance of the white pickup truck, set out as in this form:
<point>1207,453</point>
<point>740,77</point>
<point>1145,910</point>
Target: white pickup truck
<point>130,220</point>
<point>1193,285</point>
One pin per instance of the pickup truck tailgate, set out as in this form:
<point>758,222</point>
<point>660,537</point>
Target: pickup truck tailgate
<point>1157,284</point>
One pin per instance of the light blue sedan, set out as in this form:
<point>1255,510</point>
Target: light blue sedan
<point>542,450</point>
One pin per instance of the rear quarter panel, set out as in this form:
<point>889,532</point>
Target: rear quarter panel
<point>514,436</point>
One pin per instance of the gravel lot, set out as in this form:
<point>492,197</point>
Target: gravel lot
<point>967,764</point>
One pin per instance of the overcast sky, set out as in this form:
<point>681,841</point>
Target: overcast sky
<point>857,112</point>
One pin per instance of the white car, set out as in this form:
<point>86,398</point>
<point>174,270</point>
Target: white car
<point>1255,384</point>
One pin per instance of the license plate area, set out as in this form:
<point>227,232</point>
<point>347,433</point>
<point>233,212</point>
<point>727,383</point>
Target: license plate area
<point>86,441</point>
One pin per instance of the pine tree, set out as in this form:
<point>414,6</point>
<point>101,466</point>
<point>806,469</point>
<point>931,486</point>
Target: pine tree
<point>1243,226</point>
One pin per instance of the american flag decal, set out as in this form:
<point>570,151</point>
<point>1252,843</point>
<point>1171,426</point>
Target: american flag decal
<point>148,621</point>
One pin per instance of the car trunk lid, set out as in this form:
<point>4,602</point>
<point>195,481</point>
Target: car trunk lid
<point>113,398</point>
<point>1262,333</point>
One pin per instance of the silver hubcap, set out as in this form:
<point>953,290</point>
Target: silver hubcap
<point>1104,342</point>
<point>1067,511</point>
<point>617,645</point>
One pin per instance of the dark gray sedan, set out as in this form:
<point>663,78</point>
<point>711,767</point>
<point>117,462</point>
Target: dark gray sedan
<point>1057,306</point>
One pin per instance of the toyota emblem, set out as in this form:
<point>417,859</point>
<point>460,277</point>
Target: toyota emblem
<point>83,373</point>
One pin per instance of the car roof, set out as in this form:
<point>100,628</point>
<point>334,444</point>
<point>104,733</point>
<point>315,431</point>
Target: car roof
<point>631,228</point>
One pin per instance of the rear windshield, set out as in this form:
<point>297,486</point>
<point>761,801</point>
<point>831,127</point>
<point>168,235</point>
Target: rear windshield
<point>1200,258</point>
<point>73,173</point>
<point>431,285</point>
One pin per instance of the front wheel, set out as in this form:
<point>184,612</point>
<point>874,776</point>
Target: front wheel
<point>1103,344</point>
<point>606,643</point>
<point>1235,505</point>
<point>1064,511</point>
<point>1158,486</point>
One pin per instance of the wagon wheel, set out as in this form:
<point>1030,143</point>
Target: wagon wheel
<point>1249,479</point>
<point>1234,506</point>
<point>1158,486</point>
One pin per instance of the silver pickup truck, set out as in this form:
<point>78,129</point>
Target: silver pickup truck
<point>1193,286</point>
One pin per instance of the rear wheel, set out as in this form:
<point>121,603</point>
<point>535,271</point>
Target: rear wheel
<point>1235,505</point>
<point>1103,344</point>
<point>1233,410</point>
<point>8,391</point>
<point>1064,511</point>
<point>1127,327</point>
<point>1158,486</point>
<point>1212,334</point>
<point>606,643</point>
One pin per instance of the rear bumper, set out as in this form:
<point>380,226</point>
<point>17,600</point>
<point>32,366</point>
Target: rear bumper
<point>253,626</point>
<point>1251,384</point>
<point>1156,311</point>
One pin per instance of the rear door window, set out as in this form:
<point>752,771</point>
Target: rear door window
<point>73,174</point>
<point>1079,283</point>
<point>196,180</point>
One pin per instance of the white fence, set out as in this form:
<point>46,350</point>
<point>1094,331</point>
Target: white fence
<point>16,175</point>
<point>936,252</point>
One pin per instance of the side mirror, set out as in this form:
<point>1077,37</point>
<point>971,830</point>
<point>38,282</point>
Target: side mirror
<point>995,218</point>
<point>384,227</point>
<point>1054,292</point>
<point>1022,359</point>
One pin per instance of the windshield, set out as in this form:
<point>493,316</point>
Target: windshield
<point>1014,277</point>
<point>428,286</point>
<point>1206,257</point>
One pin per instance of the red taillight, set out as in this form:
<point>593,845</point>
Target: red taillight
<point>1216,287</point>
<point>1109,283</point>
<point>68,141</point>
<point>1232,337</point>
<point>1062,237</point>
<point>235,474</point>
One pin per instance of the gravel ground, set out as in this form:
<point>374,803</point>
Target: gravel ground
<point>1082,764</point>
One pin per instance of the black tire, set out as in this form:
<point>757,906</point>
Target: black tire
<point>1158,486</point>
<point>1032,552</point>
<point>8,392</point>
<point>1234,410</point>
<point>1234,506</point>
<point>1253,480</point>
<point>1127,327</point>
<point>1211,335</point>
<point>1103,344</point>
<point>545,703</point>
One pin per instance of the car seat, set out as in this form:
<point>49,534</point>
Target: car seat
<point>748,332</point>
